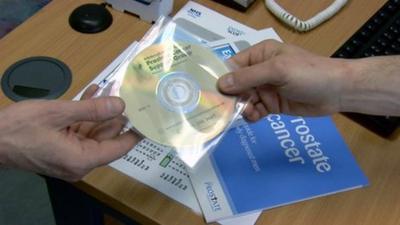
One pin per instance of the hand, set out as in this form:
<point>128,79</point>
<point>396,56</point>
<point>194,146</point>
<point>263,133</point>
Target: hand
<point>281,78</point>
<point>64,139</point>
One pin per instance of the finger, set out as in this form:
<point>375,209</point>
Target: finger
<point>262,111</point>
<point>95,110</point>
<point>257,53</point>
<point>249,109</point>
<point>89,92</point>
<point>252,115</point>
<point>108,129</point>
<point>254,112</point>
<point>253,96</point>
<point>75,127</point>
<point>253,76</point>
<point>86,127</point>
<point>82,127</point>
<point>270,99</point>
<point>112,149</point>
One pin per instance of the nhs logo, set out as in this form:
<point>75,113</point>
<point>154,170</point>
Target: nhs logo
<point>212,197</point>
<point>234,31</point>
<point>194,13</point>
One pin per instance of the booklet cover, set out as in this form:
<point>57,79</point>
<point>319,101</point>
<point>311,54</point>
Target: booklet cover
<point>276,161</point>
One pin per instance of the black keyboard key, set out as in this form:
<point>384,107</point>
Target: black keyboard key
<point>350,49</point>
<point>365,33</point>
<point>355,42</point>
<point>377,21</point>
<point>395,47</point>
<point>368,54</point>
<point>391,7</point>
<point>388,35</point>
<point>394,29</point>
<point>383,15</point>
<point>387,52</point>
<point>383,42</point>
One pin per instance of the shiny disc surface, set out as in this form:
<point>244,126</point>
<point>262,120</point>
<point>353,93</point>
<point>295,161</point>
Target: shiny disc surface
<point>171,96</point>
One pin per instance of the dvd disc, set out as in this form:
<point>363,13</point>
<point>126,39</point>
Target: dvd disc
<point>171,95</point>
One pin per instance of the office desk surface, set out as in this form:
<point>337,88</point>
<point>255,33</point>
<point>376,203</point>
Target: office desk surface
<point>48,33</point>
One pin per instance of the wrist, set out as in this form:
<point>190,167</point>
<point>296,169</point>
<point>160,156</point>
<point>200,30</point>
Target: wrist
<point>341,81</point>
<point>370,86</point>
<point>349,80</point>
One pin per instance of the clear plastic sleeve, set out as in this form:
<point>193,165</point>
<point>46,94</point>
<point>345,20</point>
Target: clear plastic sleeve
<point>169,85</point>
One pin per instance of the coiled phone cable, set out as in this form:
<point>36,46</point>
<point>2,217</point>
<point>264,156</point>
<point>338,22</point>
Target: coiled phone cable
<point>309,24</point>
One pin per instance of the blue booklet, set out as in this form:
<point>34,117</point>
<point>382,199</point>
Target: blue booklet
<point>276,161</point>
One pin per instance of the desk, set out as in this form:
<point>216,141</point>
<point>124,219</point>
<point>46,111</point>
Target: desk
<point>48,33</point>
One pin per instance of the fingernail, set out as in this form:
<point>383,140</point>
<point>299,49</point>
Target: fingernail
<point>227,82</point>
<point>115,105</point>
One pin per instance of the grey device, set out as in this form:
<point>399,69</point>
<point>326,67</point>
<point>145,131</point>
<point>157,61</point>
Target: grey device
<point>198,31</point>
<point>244,3</point>
<point>241,5</point>
<point>242,45</point>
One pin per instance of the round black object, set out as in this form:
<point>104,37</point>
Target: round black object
<point>36,78</point>
<point>90,18</point>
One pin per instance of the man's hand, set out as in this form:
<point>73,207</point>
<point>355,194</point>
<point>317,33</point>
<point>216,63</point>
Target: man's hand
<point>281,78</point>
<point>64,139</point>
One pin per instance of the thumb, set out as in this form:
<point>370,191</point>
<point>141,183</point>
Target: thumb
<point>250,77</point>
<point>96,109</point>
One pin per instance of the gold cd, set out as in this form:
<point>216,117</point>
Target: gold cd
<point>171,95</point>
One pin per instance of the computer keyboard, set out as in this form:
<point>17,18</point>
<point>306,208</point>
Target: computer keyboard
<point>380,35</point>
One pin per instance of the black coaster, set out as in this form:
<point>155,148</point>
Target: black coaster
<point>90,18</point>
<point>36,78</point>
